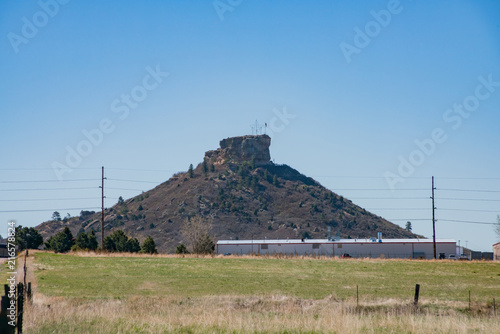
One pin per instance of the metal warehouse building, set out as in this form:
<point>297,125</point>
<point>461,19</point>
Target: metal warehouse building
<point>372,248</point>
<point>496,251</point>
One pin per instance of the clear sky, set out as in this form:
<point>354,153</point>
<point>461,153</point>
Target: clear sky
<point>371,98</point>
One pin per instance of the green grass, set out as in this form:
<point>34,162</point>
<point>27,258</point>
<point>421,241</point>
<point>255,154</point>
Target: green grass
<point>123,277</point>
<point>4,269</point>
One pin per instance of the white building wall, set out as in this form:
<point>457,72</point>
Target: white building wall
<point>406,249</point>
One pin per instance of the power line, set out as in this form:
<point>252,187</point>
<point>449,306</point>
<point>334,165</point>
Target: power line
<point>122,180</point>
<point>390,198</point>
<point>466,221</point>
<point>413,177</point>
<point>444,220</point>
<point>409,219</point>
<point>361,177</point>
<point>143,170</point>
<point>43,168</point>
<point>381,189</point>
<point>471,210</point>
<point>43,189</point>
<point>397,209</point>
<point>470,190</point>
<point>33,181</point>
<point>41,210</point>
<point>125,189</point>
<point>46,199</point>
<point>467,178</point>
<point>469,199</point>
<point>329,176</point>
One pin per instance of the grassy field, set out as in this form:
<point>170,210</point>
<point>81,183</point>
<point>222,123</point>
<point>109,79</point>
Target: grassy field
<point>117,277</point>
<point>118,294</point>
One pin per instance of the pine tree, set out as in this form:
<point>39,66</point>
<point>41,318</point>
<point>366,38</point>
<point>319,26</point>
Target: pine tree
<point>275,181</point>
<point>133,246</point>
<point>205,166</point>
<point>190,171</point>
<point>149,246</point>
<point>61,242</point>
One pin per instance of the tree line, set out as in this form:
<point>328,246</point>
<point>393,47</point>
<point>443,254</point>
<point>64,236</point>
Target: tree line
<point>64,241</point>
<point>118,241</point>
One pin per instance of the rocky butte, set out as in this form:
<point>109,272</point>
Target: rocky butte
<point>243,195</point>
<point>240,149</point>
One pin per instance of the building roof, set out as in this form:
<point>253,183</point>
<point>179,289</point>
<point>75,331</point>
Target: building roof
<point>326,241</point>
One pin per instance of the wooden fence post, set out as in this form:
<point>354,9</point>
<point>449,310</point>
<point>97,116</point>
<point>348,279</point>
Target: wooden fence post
<point>494,308</point>
<point>20,307</point>
<point>5,327</point>
<point>25,268</point>
<point>469,300</point>
<point>357,296</point>
<point>28,292</point>
<point>417,292</point>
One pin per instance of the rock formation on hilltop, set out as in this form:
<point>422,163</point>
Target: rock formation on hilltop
<point>240,149</point>
<point>243,195</point>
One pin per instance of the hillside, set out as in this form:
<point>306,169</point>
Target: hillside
<point>244,195</point>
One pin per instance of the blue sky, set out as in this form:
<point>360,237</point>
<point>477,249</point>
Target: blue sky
<point>352,117</point>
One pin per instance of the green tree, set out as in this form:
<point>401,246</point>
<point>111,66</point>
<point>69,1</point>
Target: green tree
<point>408,226</point>
<point>82,241</point>
<point>181,249</point>
<point>86,241</point>
<point>191,171</point>
<point>93,244</point>
<point>28,238</point>
<point>56,216</point>
<point>61,242</point>
<point>275,180</point>
<point>109,244</point>
<point>149,246</point>
<point>121,201</point>
<point>212,168</point>
<point>133,245</point>
<point>205,166</point>
<point>116,242</point>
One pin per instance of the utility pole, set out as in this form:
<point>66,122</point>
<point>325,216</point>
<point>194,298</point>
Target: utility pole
<point>433,220</point>
<point>102,209</point>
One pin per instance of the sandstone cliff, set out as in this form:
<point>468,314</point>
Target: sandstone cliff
<point>241,149</point>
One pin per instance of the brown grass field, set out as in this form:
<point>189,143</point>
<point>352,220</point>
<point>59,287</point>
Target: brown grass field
<point>203,309</point>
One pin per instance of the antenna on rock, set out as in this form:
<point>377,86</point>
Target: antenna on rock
<point>257,128</point>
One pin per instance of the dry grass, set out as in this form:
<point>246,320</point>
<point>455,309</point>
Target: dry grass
<point>248,314</point>
<point>243,314</point>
